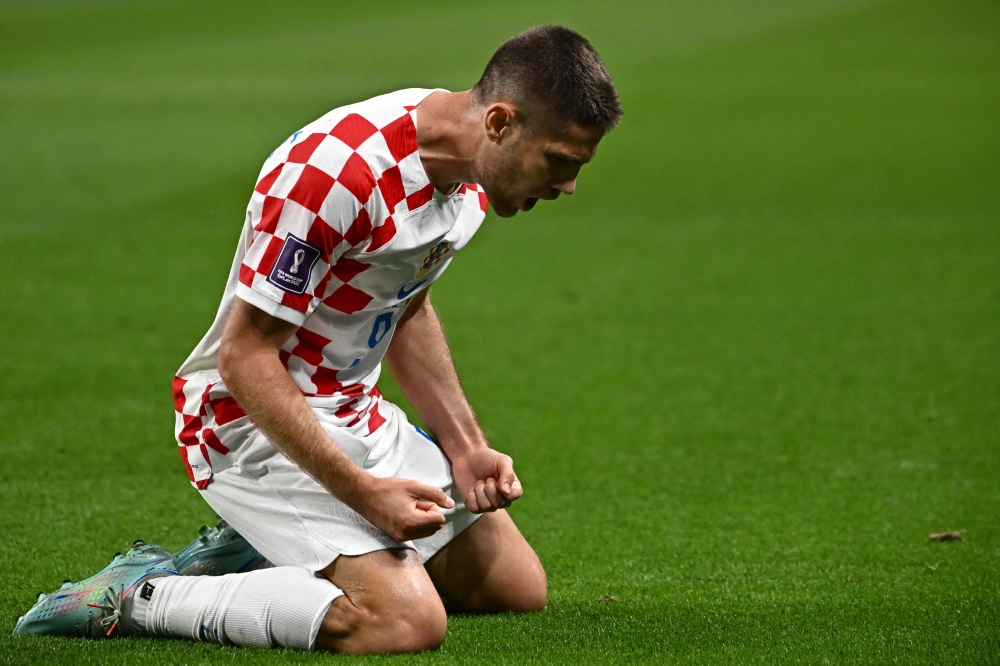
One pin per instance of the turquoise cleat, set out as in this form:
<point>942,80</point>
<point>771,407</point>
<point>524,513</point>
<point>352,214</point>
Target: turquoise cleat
<point>217,551</point>
<point>97,607</point>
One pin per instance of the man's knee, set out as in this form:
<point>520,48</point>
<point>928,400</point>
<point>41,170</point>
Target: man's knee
<point>522,588</point>
<point>490,568</point>
<point>532,592</point>
<point>418,625</point>
<point>416,629</point>
<point>389,605</point>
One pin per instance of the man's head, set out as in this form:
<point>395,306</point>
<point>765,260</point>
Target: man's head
<point>546,101</point>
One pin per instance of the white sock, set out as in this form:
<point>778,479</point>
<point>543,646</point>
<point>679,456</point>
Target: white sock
<point>140,601</point>
<point>279,607</point>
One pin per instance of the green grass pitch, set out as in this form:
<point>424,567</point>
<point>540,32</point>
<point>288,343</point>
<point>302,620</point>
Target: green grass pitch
<point>744,371</point>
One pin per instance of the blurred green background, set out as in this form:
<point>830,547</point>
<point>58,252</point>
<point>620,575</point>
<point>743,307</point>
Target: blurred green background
<point>744,371</point>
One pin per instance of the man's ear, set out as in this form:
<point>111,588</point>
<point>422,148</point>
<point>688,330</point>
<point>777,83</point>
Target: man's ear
<point>502,122</point>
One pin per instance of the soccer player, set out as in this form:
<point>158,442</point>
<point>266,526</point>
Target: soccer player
<point>345,527</point>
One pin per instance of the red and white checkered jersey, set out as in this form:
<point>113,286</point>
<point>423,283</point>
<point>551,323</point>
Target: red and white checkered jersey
<point>343,228</point>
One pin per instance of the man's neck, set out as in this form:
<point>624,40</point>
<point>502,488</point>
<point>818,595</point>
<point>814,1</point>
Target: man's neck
<point>447,138</point>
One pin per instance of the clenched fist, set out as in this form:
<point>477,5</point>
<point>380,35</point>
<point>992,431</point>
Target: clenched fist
<point>404,509</point>
<point>486,480</point>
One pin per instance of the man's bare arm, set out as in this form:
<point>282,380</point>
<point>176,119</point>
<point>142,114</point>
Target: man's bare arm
<point>252,370</point>
<point>421,363</point>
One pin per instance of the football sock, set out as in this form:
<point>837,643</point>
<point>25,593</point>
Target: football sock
<point>280,607</point>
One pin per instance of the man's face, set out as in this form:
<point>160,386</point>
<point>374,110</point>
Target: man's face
<point>534,164</point>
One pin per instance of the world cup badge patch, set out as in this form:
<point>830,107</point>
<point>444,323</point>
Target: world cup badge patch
<point>294,264</point>
<point>433,258</point>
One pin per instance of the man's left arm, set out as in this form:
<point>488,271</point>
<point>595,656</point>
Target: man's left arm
<point>421,363</point>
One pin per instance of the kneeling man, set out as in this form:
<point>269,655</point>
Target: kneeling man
<point>345,527</point>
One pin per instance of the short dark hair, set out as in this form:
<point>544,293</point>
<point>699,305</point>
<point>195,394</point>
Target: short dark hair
<point>556,68</point>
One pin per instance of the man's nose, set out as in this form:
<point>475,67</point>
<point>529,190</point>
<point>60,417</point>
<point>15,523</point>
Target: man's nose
<point>568,187</point>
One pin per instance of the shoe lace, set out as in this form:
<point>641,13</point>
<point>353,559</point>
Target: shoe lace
<point>101,626</point>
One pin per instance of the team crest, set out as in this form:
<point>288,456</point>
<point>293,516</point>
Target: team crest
<point>433,258</point>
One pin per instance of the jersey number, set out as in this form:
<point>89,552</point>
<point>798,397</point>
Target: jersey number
<point>378,330</point>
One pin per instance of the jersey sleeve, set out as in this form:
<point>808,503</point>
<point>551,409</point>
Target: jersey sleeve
<point>306,212</point>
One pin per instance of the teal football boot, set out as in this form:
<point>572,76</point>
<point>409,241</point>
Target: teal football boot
<point>217,551</point>
<point>100,606</point>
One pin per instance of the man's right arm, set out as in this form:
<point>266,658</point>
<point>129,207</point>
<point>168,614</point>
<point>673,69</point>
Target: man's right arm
<point>252,370</point>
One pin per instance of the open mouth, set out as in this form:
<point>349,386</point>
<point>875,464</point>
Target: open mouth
<point>529,203</point>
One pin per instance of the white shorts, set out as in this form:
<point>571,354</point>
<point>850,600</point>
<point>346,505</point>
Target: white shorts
<point>294,521</point>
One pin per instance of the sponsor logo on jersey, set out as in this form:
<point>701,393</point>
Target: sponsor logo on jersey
<point>433,258</point>
<point>404,293</point>
<point>294,264</point>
